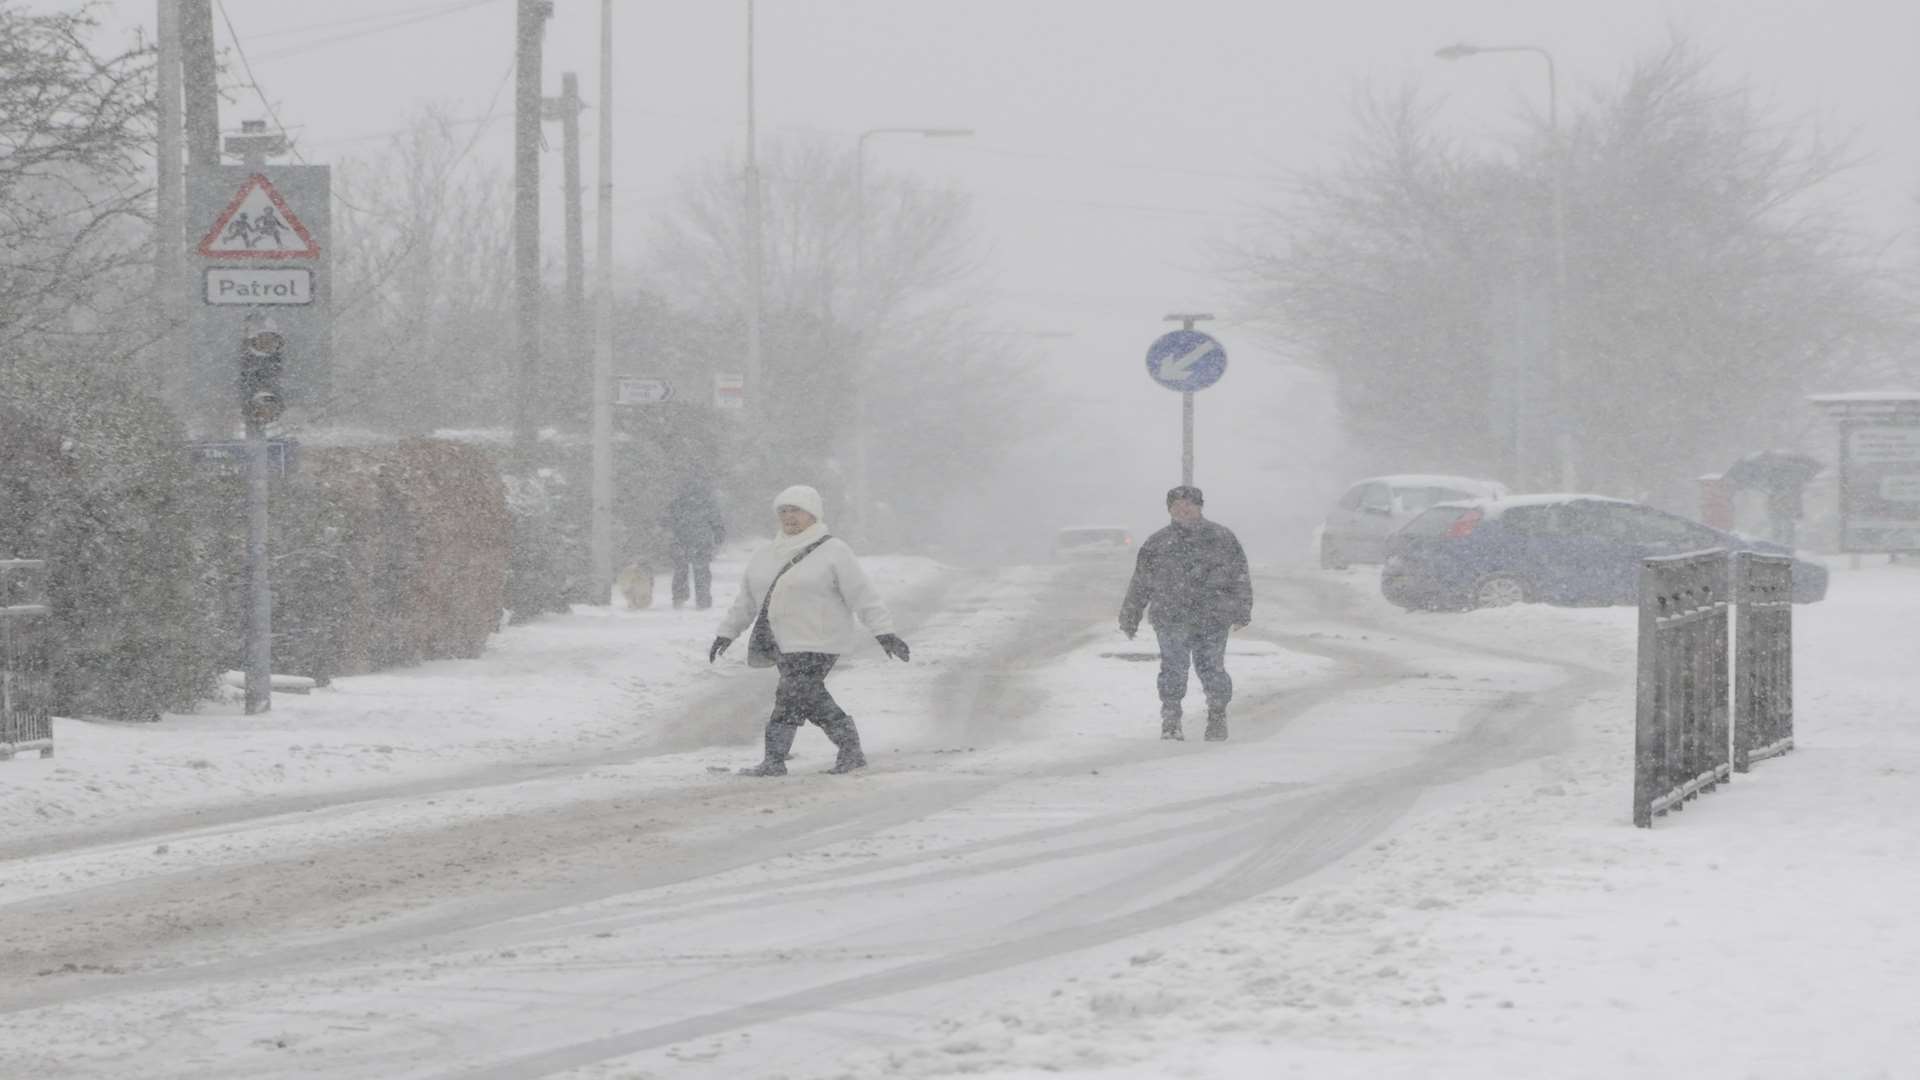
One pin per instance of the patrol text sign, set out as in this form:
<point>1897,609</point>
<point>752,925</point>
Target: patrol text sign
<point>251,285</point>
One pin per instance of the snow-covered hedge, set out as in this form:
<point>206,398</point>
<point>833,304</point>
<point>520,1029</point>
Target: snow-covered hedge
<point>94,478</point>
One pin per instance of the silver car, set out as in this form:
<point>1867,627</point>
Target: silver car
<point>1357,527</point>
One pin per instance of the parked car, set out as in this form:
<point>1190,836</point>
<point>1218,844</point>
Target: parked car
<point>1092,542</point>
<point>1560,549</point>
<point>1357,527</point>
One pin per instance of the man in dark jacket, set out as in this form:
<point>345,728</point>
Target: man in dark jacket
<point>696,528</point>
<point>1191,582</point>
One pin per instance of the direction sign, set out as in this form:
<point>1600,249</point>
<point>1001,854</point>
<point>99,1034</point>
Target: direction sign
<point>230,456</point>
<point>1186,360</point>
<point>633,390</point>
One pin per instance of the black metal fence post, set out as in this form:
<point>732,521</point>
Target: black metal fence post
<point>1763,625</point>
<point>26,691</point>
<point>1681,722</point>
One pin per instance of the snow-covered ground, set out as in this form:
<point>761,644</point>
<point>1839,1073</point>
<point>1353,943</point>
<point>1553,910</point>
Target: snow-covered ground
<point>1518,925</point>
<point>1415,859</point>
<point>563,687</point>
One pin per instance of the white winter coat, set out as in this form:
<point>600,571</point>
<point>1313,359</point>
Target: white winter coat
<point>814,607</point>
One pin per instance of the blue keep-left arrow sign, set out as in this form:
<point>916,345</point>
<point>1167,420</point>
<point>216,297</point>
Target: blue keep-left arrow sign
<point>1186,360</point>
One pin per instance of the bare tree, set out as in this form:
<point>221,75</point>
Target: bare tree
<point>423,318</point>
<point>75,124</point>
<point>940,396</point>
<point>1711,282</point>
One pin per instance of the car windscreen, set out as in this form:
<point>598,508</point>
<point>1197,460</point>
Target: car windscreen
<point>1434,522</point>
<point>1415,499</point>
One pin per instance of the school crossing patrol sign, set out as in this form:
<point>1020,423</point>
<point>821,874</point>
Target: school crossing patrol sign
<point>258,242</point>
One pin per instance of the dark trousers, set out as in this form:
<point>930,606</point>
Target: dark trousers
<point>699,562</point>
<point>802,694</point>
<point>1204,648</point>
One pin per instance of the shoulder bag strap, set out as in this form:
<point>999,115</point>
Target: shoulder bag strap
<point>791,563</point>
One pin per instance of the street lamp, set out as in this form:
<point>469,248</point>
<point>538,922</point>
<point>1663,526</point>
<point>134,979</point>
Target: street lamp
<point>1563,443</point>
<point>861,432</point>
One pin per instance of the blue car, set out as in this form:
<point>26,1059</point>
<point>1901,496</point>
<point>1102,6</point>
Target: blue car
<point>1556,549</point>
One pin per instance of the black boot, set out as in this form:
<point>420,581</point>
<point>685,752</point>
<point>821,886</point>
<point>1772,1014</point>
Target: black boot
<point>1170,723</point>
<point>847,737</point>
<point>779,741</point>
<point>1216,725</point>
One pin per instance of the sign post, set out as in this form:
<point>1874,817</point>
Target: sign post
<point>1186,360</point>
<point>1879,470</point>
<point>263,281</point>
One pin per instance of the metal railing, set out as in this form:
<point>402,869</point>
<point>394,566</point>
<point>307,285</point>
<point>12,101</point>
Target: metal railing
<point>26,691</point>
<point>1681,743</point>
<point>1763,667</point>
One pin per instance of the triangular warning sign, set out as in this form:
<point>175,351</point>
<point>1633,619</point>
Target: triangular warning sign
<point>258,225</point>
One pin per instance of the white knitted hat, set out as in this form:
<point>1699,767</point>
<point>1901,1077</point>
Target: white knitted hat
<point>803,497</point>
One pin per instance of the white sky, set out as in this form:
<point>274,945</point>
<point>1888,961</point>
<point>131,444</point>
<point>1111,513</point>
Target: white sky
<point>1118,142</point>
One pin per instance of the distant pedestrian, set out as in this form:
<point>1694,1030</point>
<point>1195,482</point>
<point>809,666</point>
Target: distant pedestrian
<point>801,594</point>
<point>1191,582</point>
<point>695,530</point>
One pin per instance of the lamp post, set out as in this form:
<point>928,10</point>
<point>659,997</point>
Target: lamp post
<point>862,439</point>
<point>1562,439</point>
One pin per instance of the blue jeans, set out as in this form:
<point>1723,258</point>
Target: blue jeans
<point>1205,649</point>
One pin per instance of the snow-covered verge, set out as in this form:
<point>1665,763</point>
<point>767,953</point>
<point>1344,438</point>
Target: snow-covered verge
<point>1518,925</point>
<point>595,680</point>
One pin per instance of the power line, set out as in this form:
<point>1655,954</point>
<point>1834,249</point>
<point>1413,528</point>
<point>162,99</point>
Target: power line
<point>441,8</point>
<point>352,35</point>
<point>261,93</point>
<point>234,36</point>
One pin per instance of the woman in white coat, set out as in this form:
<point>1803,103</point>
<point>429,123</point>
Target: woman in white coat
<point>820,590</point>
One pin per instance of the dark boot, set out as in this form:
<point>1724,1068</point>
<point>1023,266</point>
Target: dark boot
<point>779,741</point>
<point>847,737</point>
<point>1170,723</point>
<point>1216,725</point>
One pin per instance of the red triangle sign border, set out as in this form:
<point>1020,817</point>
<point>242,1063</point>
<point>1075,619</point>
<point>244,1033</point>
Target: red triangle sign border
<point>288,217</point>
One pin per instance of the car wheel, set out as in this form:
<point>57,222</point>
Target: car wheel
<point>1499,590</point>
<point>1330,556</point>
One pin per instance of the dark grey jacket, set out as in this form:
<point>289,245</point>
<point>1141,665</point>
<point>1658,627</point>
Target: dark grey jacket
<point>1189,576</point>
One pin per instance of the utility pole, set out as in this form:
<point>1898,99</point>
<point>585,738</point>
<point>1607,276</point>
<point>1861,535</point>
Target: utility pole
<point>530,30</point>
<point>200,84</point>
<point>602,497</point>
<point>756,297</point>
<point>169,234</point>
<point>566,109</point>
<point>200,72</point>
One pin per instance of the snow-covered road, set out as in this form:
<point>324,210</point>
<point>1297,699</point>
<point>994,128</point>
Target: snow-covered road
<point>1026,878</point>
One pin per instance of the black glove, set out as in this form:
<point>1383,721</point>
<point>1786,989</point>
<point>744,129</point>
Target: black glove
<point>894,647</point>
<point>719,646</point>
